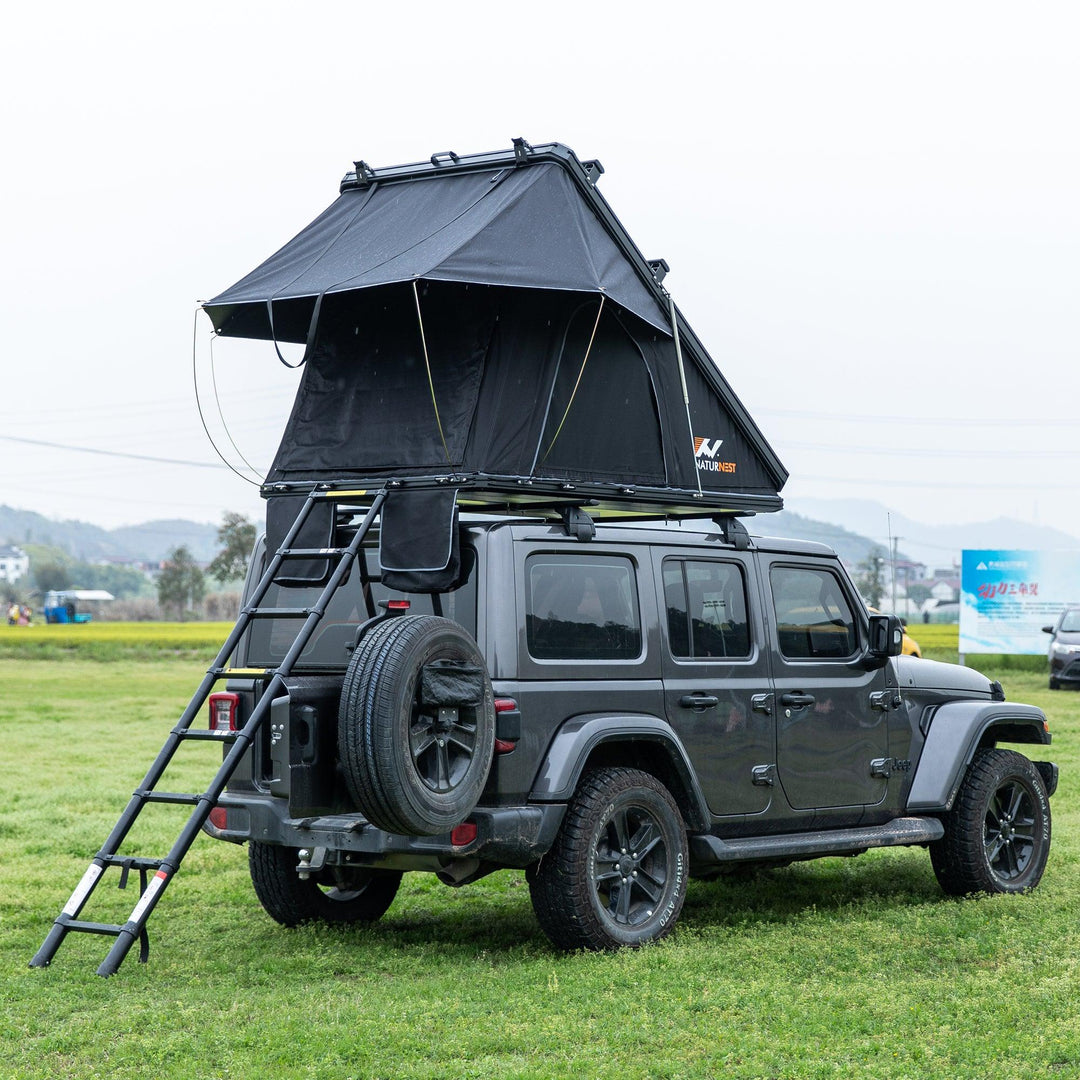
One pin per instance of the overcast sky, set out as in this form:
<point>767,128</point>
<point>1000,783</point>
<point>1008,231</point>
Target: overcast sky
<point>871,212</point>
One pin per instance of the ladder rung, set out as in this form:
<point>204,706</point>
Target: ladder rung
<point>312,553</point>
<point>179,798</point>
<point>131,861</point>
<point>241,673</point>
<point>277,613</point>
<point>93,927</point>
<point>205,735</point>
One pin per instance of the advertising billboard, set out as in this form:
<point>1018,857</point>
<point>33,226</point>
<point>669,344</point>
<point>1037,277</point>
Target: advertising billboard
<point>1007,597</point>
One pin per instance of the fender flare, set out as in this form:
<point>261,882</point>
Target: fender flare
<point>956,731</point>
<point>562,766</point>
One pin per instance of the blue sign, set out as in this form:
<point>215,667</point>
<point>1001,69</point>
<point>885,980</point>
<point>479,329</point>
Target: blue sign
<point>1007,597</point>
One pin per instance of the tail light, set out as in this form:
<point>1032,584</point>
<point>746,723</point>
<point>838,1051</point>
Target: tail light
<point>507,725</point>
<point>463,834</point>
<point>223,708</point>
<point>219,817</point>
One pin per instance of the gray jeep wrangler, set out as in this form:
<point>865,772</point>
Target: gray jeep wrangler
<point>614,712</point>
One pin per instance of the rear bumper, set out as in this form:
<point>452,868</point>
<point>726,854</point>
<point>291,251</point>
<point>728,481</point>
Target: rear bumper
<point>513,836</point>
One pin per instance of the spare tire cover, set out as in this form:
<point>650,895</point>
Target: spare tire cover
<point>416,725</point>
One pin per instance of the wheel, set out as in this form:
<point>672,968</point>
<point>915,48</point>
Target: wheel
<point>334,895</point>
<point>414,760</point>
<point>1054,684</point>
<point>997,835</point>
<point>616,874</point>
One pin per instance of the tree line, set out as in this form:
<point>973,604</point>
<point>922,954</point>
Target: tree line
<point>181,585</point>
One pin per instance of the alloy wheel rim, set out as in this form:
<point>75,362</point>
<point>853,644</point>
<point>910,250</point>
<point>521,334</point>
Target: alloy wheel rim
<point>1009,833</point>
<point>630,866</point>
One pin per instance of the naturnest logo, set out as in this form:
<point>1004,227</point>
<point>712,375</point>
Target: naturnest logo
<point>705,451</point>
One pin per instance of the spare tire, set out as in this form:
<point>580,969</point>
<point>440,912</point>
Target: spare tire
<point>416,725</point>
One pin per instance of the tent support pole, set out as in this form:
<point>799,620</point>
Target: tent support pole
<point>581,371</point>
<point>685,392</point>
<point>427,364</point>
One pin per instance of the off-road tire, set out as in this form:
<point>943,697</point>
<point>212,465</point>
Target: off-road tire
<point>616,875</point>
<point>407,774</point>
<point>997,835</point>
<point>333,895</point>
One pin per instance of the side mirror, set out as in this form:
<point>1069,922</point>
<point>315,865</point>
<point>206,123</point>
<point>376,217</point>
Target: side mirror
<point>1048,629</point>
<point>886,636</point>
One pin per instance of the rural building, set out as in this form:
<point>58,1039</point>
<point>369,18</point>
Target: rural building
<point>14,563</point>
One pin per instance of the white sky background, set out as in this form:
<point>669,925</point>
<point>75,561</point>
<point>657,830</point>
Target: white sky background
<point>871,212</point>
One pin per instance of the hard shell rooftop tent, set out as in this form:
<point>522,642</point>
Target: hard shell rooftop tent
<point>480,331</point>
<point>487,318</point>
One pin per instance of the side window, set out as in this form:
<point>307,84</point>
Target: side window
<point>581,607</point>
<point>706,609</point>
<point>813,617</point>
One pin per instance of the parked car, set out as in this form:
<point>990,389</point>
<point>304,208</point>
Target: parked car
<point>613,715</point>
<point>1064,651</point>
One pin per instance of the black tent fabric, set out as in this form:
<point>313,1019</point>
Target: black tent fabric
<point>522,227</point>
<point>490,324</point>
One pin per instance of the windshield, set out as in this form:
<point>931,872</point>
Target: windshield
<point>1070,622</point>
<point>268,640</point>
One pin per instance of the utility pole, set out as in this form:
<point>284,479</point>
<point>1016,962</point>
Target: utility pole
<point>895,541</point>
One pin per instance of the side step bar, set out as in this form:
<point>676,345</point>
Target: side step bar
<point>706,850</point>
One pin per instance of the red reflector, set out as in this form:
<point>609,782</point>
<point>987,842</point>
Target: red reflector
<point>502,746</point>
<point>219,817</point>
<point>397,605</point>
<point>223,711</point>
<point>463,834</point>
<point>505,704</point>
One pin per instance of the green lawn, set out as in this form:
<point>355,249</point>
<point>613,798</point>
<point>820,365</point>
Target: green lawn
<point>837,968</point>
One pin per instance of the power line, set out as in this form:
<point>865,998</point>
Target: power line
<point>915,451</point>
<point>113,453</point>
<point>931,421</point>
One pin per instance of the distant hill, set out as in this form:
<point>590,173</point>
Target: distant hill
<point>846,525</point>
<point>852,547</point>
<point>936,545</point>
<point>149,542</point>
<point>154,539</point>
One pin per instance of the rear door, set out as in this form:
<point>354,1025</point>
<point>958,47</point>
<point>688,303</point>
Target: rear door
<point>716,676</point>
<point>831,711</point>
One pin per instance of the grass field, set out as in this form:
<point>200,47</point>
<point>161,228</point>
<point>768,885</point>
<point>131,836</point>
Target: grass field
<point>836,968</point>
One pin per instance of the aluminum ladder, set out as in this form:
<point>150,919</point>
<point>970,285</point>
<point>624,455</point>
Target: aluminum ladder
<point>163,870</point>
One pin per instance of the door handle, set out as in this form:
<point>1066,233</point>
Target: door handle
<point>797,700</point>
<point>699,702</point>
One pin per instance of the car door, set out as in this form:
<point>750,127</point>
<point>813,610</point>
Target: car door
<point>832,726</point>
<point>716,677</point>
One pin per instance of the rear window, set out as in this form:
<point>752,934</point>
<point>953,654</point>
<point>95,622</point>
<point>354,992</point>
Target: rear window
<point>706,609</point>
<point>268,640</point>
<point>581,607</point>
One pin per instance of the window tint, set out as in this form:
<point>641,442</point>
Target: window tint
<point>581,607</point>
<point>706,609</point>
<point>813,617</point>
<point>268,640</point>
